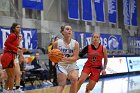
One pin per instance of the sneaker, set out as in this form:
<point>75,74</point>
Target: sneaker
<point>5,91</point>
<point>50,83</point>
<point>19,91</point>
<point>11,91</point>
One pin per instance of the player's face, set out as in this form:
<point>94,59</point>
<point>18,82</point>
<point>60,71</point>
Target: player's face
<point>37,55</point>
<point>67,31</point>
<point>18,28</point>
<point>95,38</point>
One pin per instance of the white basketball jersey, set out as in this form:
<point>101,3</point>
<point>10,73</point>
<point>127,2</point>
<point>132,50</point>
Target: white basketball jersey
<point>66,49</point>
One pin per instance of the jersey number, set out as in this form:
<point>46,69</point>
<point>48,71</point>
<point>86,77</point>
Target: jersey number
<point>67,55</point>
<point>94,59</point>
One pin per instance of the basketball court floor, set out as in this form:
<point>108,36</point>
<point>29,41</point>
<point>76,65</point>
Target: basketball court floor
<point>114,84</point>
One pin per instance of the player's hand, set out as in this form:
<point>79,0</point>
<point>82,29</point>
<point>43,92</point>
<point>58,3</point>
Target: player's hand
<point>65,59</point>
<point>103,72</point>
<point>24,49</point>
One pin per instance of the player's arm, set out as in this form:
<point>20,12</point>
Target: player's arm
<point>75,54</point>
<point>105,60</point>
<point>83,52</point>
<point>105,57</point>
<point>55,45</point>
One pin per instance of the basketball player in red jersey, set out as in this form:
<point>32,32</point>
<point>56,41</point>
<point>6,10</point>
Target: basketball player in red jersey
<point>93,66</point>
<point>11,49</point>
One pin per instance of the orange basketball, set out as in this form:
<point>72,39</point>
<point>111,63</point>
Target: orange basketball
<point>55,55</point>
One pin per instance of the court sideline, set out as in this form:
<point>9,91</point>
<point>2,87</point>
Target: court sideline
<point>115,84</point>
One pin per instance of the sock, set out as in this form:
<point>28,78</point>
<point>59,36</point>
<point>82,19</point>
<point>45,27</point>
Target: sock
<point>17,87</point>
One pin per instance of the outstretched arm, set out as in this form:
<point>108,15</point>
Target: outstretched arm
<point>105,60</point>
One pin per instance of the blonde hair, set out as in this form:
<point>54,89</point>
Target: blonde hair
<point>95,33</point>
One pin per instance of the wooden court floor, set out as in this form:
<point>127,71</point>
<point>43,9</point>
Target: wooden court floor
<point>121,84</point>
<point>48,90</point>
<point>66,90</point>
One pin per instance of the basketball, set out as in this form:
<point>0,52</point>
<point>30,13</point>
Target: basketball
<point>55,55</point>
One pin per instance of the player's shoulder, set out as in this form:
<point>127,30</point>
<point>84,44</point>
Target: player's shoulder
<point>74,41</point>
<point>12,36</point>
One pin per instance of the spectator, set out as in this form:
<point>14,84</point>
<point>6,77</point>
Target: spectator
<point>52,69</point>
<point>43,74</point>
<point>35,61</point>
<point>22,63</point>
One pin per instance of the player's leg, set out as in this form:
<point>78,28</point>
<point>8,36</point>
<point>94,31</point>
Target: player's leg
<point>94,77</point>
<point>90,86</point>
<point>84,74</point>
<point>81,80</point>
<point>73,76</point>
<point>61,78</point>
<point>18,75</point>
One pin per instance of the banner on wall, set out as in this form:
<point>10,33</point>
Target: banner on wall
<point>99,10</point>
<point>126,11</point>
<point>73,9</point>
<point>112,11</point>
<point>133,63</point>
<point>134,42</point>
<point>87,10</point>
<point>112,42</point>
<point>83,38</point>
<point>33,4</point>
<point>116,65</point>
<point>29,37</point>
<point>134,17</point>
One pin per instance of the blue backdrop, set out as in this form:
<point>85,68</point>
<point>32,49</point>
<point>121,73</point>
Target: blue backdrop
<point>134,13</point>
<point>126,11</point>
<point>112,42</point>
<point>99,10</point>
<point>73,9</point>
<point>112,11</point>
<point>29,37</point>
<point>33,4</point>
<point>87,10</point>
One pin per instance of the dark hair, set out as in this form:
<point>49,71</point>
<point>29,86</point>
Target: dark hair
<point>62,28</point>
<point>12,29</point>
<point>37,52</point>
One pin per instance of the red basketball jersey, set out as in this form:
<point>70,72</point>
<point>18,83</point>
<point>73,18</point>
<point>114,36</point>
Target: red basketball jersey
<point>95,56</point>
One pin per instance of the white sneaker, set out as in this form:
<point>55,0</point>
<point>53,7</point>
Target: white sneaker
<point>10,91</point>
<point>50,82</point>
<point>5,91</point>
<point>19,91</point>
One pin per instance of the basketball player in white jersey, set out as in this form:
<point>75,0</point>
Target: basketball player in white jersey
<point>67,68</point>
